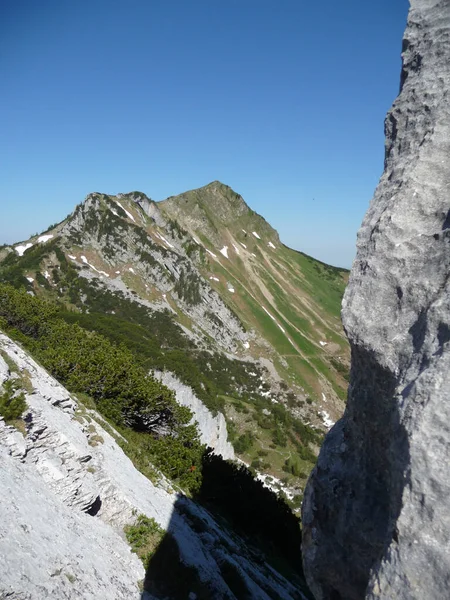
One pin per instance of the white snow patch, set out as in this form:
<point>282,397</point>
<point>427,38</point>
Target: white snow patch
<point>256,235</point>
<point>231,289</point>
<point>246,345</point>
<point>214,278</point>
<point>224,251</point>
<point>283,330</point>
<point>274,484</point>
<point>271,245</point>
<point>72,256</point>
<point>244,231</point>
<point>164,240</point>
<point>327,420</point>
<point>209,252</point>
<point>21,249</point>
<point>236,249</point>
<point>164,296</point>
<point>243,245</point>
<point>114,212</point>
<point>30,279</point>
<point>44,238</point>
<point>254,255</point>
<point>125,210</point>
<point>131,270</point>
<point>85,260</point>
<point>323,343</point>
<point>271,316</point>
<point>117,272</point>
<point>324,398</point>
<point>196,241</point>
<point>47,275</point>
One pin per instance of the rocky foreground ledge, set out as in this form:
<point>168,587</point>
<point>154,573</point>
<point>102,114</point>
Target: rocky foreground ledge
<point>376,514</point>
<point>67,492</point>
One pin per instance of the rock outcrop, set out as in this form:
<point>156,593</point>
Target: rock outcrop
<point>212,428</point>
<point>376,514</point>
<point>67,491</point>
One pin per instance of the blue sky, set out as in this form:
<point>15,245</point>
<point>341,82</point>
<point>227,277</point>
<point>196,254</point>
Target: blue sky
<point>283,100</point>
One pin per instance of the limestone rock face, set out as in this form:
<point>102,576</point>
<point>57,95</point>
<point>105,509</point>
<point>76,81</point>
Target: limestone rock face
<point>212,429</point>
<point>67,490</point>
<point>376,514</point>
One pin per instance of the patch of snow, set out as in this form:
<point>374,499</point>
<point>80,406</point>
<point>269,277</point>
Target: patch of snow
<point>246,345</point>
<point>21,249</point>
<point>125,210</point>
<point>85,260</point>
<point>131,270</point>
<point>214,278</point>
<point>324,398</point>
<point>323,343</point>
<point>164,296</point>
<point>254,255</point>
<point>72,257</point>
<point>47,275</point>
<point>244,231</point>
<point>271,316</point>
<point>231,289</point>
<point>30,279</point>
<point>256,235</point>
<point>274,484</point>
<point>327,420</point>
<point>224,251</point>
<point>114,212</point>
<point>283,330</point>
<point>209,252</point>
<point>44,238</point>
<point>117,272</point>
<point>274,401</point>
<point>236,249</point>
<point>243,245</point>
<point>271,245</point>
<point>164,240</point>
<point>196,241</point>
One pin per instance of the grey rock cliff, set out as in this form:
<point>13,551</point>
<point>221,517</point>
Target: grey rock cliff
<point>376,514</point>
<point>212,428</point>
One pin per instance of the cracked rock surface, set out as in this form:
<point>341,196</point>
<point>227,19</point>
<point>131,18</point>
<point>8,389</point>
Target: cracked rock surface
<point>376,514</point>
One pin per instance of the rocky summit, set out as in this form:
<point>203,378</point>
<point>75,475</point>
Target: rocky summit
<point>376,514</point>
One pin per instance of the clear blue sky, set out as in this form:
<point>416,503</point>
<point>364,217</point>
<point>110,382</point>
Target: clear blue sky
<point>283,100</point>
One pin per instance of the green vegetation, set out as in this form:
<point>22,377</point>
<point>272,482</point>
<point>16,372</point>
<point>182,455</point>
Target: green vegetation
<point>121,389</point>
<point>144,537</point>
<point>12,402</point>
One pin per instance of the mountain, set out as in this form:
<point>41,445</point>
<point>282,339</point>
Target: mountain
<point>173,326</point>
<point>376,515</point>
<point>200,286</point>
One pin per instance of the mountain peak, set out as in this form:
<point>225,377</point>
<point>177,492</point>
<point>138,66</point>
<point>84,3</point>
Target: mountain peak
<point>216,210</point>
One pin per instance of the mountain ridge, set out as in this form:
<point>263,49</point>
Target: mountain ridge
<point>228,289</point>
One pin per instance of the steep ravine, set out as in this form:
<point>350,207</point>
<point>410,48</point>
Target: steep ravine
<point>376,514</point>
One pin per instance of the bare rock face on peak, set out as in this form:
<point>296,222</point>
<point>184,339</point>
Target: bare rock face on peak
<point>376,514</point>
